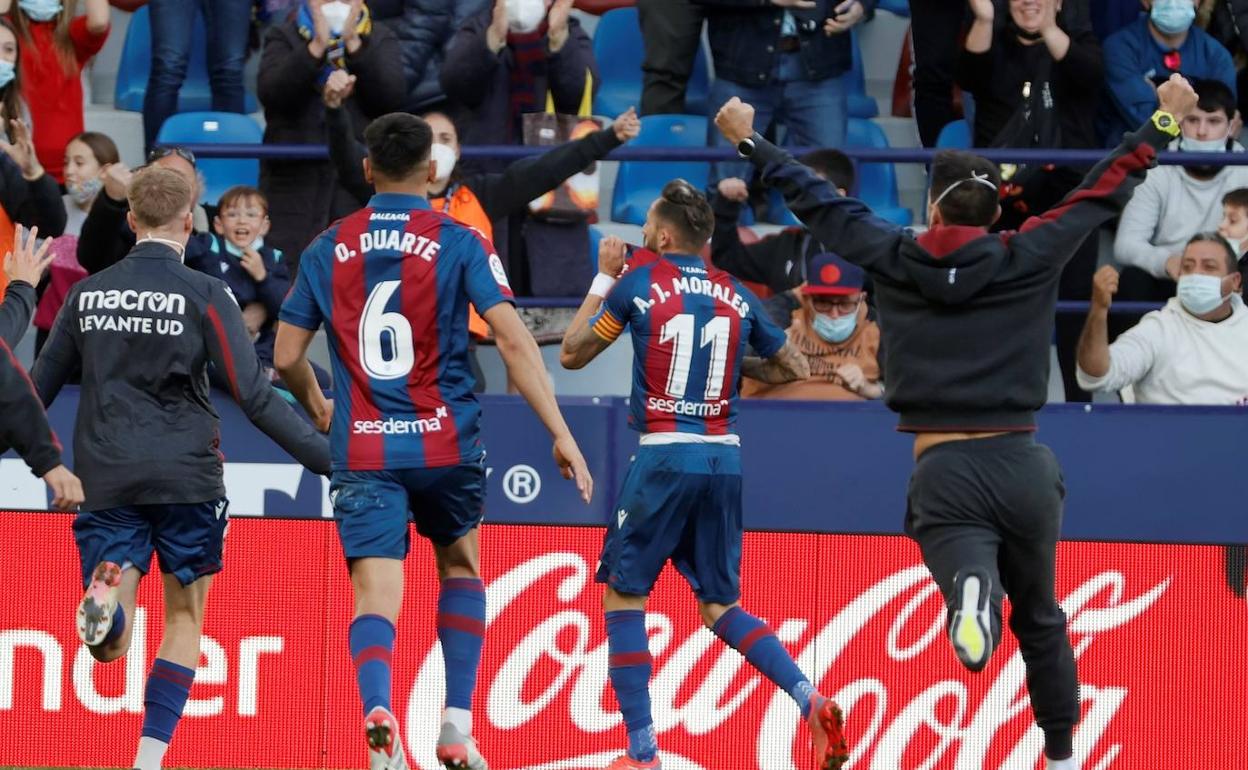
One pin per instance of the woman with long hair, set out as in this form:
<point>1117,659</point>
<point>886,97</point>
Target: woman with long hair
<point>56,43</point>
<point>12,107</point>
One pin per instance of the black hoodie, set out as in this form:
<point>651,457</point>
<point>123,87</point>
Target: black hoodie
<point>966,315</point>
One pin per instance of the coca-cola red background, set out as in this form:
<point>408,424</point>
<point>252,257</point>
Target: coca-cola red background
<point>1159,635</point>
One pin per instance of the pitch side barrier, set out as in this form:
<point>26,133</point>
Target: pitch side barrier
<point>1133,473</point>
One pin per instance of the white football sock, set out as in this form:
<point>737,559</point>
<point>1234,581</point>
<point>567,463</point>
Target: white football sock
<point>151,753</point>
<point>461,718</point>
<point>1061,764</point>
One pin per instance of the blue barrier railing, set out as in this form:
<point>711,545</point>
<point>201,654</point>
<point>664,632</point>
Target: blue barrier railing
<point>658,154</point>
<point>863,154</point>
<point>1064,307</point>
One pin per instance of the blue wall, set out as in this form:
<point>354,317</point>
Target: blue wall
<point>1133,473</point>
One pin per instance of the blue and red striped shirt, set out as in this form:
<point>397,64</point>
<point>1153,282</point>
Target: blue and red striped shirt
<point>690,326</point>
<point>392,283</point>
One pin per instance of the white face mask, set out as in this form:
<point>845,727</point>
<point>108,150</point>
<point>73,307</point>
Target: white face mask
<point>525,15</point>
<point>444,157</point>
<point>1237,245</point>
<point>1201,294</point>
<point>1203,145</point>
<point>336,14</point>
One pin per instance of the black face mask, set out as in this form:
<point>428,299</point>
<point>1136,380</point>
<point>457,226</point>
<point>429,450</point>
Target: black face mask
<point>1018,32</point>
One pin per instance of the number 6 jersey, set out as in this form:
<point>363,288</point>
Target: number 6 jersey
<point>690,326</point>
<point>392,283</point>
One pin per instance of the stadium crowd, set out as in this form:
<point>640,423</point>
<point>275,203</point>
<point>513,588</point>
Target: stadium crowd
<point>1050,74</point>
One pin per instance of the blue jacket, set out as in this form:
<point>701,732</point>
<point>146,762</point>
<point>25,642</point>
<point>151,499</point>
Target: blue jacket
<point>219,263</point>
<point>1133,54</point>
<point>423,28</point>
<point>745,34</point>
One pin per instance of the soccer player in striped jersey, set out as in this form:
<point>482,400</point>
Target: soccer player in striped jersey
<point>681,500</point>
<point>392,283</point>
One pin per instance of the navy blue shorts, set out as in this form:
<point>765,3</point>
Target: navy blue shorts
<point>373,508</point>
<point>680,502</point>
<point>188,538</point>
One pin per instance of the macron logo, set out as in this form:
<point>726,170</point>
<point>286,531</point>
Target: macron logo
<point>620,516</point>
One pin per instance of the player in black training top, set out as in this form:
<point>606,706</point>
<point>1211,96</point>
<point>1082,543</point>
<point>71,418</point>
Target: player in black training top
<point>967,318</point>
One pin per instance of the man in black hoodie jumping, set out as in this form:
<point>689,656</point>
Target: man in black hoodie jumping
<point>967,318</point>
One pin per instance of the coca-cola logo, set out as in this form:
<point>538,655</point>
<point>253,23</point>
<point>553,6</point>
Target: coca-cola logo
<point>556,671</point>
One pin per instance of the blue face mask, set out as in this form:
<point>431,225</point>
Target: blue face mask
<point>237,251</point>
<point>1200,294</point>
<point>8,71</point>
<point>1172,17</point>
<point>837,329</point>
<point>40,10</point>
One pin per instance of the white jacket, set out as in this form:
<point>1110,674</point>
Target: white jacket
<point>1166,210</point>
<point>1173,357</point>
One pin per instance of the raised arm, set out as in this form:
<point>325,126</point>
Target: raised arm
<point>345,152</point>
<point>583,341</point>
<point>101,243</point>
<point>24,267</point>
<point>509,193</point>
<point>844,224</point>
<point>1055,235</point>
<point>232,353</point>
<point>1106,368</point>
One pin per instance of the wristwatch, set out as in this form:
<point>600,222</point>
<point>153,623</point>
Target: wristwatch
<point>1165,123</point>
<point>745,147</point>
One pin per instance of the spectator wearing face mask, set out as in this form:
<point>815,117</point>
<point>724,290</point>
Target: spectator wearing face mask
<point>85,159</point>
<point>497,204</point>
<point>1234,226</point>
<point>832,330</point>
<point>1141,55</point>
<point>227,25</point>
<point>503,61</point>
<point>56,45</point>
<point>12,105</point>
<point>1176,202</point>
<point>1192,351</point>
<point>319,38</point>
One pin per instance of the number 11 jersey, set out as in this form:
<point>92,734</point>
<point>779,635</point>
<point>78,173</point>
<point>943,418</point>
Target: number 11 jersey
<point>392,283</point>
<point>690,326</point>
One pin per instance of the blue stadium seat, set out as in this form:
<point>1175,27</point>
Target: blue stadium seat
<point>638,183</point>
<point>956,135</point>
<point>877,182</point>
<point>898,7</point>
<point>136,65</point>
<point>618,49</point>
<point>860,105</point>
<point>220,174</point>
<point>595,237</point>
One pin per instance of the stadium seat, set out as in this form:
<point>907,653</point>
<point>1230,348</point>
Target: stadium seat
<point>618,49</point>
<point>877,182</point>
<point>898,7</point>
<point>956,135</point>
<point>595,237</point>
<point>638,183</point>
<point>220,174</point>
<point>136,65</point>
<point>860,104</point>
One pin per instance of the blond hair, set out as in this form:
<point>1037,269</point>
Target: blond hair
<point>158,196</point>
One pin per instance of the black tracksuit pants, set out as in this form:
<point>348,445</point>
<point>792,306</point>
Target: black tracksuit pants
<point>996,504</point>
<point>672,31</point>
